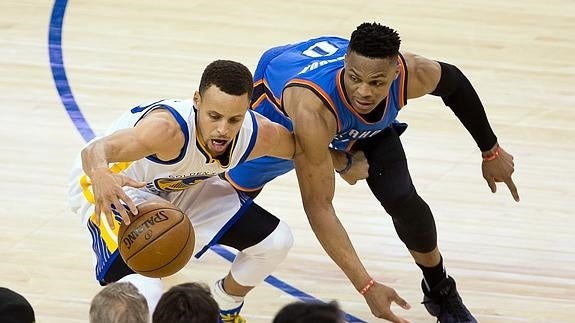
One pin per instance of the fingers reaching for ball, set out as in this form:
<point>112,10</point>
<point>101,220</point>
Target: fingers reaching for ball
<point>110,199</point>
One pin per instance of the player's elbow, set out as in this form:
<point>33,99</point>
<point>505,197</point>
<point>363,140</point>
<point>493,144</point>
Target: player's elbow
<point>167,128</point>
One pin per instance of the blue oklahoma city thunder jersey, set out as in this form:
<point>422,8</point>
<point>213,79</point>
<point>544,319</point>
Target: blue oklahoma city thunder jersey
<point>317,64</point>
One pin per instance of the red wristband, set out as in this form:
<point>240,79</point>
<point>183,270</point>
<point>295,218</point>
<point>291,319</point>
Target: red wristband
<point>493,155</point>
<point>367,287</point>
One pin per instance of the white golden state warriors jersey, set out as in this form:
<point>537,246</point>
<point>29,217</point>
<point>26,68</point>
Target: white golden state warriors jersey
<point>193,165</point>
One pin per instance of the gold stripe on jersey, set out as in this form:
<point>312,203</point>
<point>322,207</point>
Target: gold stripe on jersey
<point>209,159</point>
<point>109,235</point>
<point>86,183</point>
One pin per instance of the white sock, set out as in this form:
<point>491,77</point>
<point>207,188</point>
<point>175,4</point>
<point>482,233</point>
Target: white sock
<point>151,288</point>
<point>225,301</point>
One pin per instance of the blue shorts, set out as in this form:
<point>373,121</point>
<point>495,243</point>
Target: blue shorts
<point>254,174</point>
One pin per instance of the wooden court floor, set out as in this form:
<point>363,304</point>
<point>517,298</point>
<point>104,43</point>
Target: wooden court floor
<point>514,262</point>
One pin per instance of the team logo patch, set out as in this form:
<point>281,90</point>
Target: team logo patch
<point>177,184</point>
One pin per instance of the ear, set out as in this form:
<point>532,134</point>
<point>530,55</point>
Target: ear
<point>197,99</point>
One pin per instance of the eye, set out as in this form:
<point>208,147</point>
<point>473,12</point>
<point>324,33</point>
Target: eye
<point>377,83</point>
<point>214,116</point>
<point>354,78</point>
<point>235,120</point>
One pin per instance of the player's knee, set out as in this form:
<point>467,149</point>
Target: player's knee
<point>276,245</point>
<point>421,239</point>
<point>395,202</point>
<point>282,239</point>
<point>391,191</point>
<point>414,223</point>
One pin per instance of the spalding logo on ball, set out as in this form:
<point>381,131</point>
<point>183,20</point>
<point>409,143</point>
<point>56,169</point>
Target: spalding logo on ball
<point>152,219</point>
<point>159,241</point>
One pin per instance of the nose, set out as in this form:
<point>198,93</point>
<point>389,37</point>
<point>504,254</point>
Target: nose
<point>364,90</point>
<point>222,128</point>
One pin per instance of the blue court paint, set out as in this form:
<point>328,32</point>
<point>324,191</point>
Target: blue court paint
<point>285,287</point>
<point>59,72</point>
<point>65,92</point>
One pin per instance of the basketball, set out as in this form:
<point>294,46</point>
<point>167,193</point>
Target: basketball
<point>158,242</point>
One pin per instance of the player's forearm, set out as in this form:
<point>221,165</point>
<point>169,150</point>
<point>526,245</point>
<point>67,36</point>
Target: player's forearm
<point>336,243</point>
<point>458,94</point>
<point>317,186</point>
<point>93,158</point>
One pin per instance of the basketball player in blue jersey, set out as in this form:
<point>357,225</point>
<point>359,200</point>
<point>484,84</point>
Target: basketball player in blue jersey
<point>341,99</point>
<point>174,150</point>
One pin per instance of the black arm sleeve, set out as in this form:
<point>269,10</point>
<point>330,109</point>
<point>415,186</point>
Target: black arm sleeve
<point>458,94</point>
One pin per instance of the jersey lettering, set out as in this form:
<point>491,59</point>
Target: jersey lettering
<point>356,134</point>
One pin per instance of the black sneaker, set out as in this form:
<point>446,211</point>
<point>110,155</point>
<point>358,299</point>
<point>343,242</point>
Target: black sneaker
<point>444,302</point>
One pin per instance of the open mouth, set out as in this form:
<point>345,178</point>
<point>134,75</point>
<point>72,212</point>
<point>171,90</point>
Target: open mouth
<point>218,145</point>
<point>363,105</point>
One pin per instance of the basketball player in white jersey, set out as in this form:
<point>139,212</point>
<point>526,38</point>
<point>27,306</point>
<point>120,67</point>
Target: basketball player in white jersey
<point>174,150</point>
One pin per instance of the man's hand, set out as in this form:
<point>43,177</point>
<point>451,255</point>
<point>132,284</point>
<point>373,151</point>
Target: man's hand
<point>108,193</point>
<point>498,167</point>
<point>379,298</point>
<point>359,169</point>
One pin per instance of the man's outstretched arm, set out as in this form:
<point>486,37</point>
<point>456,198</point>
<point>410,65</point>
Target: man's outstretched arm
<point>314,126</point>
<point>448,82</point>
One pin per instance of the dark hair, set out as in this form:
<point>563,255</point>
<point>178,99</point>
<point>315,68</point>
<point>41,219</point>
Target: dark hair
<point>299,312</point>
<point>14,308</point>
<point>187,303</point>
<point>230,77</point>
<point>374,41</point>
